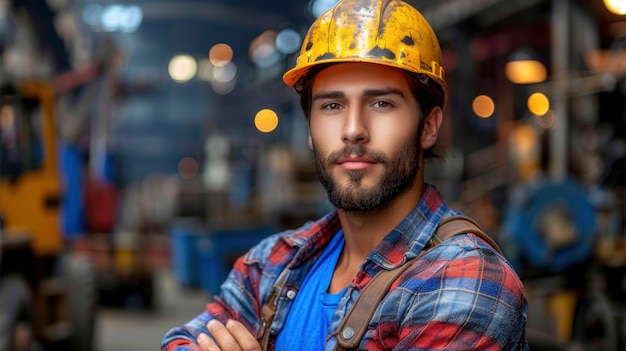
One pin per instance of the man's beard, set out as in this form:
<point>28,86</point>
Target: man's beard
<point>400,171</point>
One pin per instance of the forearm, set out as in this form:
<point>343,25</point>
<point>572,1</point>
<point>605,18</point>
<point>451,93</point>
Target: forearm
<point>185,337</point>
<point>239,297</point>
<point>232,303</point>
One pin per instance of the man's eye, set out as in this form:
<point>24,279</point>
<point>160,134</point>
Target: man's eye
<point>331,106</point>
<point>382,104</point>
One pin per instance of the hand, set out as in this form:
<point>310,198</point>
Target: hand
<point>230,337</point>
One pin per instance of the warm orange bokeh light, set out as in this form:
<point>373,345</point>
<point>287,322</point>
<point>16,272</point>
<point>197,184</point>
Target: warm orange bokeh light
<point>538,104</point>
<point>220,54</point>
<point>483,106</point>
<point>525,72</point>
<point>266,120</point>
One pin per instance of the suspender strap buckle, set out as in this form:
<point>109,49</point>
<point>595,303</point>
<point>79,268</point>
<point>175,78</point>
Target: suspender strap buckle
<point>268,311</point>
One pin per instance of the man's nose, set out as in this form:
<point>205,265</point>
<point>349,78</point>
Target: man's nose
<point>355,129</point>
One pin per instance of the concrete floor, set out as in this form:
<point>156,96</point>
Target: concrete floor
<point>132,330</point>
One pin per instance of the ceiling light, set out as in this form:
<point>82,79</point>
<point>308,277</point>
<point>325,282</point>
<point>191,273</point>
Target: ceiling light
<point>617,7</point>
<point>523,68</point>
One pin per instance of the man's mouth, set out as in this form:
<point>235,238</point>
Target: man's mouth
<point>355,163</point>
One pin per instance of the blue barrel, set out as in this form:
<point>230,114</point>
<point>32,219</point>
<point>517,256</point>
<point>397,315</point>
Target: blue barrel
<point>211,271</point>
<point>219,250</point>
<point>185,237</point>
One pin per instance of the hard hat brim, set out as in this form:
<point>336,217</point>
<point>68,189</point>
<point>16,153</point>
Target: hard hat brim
<point>292,76</point>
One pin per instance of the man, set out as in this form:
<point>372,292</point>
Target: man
<point>372,89</point>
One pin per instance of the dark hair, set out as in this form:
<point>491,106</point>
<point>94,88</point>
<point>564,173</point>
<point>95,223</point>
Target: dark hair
<point>426,92</point>
<point>306,95</point>
<point>428,95</point>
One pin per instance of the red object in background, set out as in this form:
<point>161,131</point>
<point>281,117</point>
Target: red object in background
<point>100,205</point>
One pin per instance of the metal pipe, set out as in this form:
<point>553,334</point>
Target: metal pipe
<point>560,72</point>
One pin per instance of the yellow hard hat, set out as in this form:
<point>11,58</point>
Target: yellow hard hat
<point>388,32</point>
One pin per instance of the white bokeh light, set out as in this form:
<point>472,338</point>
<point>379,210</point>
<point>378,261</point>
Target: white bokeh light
<point>113,18</point>
<point>182,68</point>
<point>225,73</point>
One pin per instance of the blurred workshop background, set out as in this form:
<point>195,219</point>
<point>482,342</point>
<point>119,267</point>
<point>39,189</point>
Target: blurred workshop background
<point>147,143</point>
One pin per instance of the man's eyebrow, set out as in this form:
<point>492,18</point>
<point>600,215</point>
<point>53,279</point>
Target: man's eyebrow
<point>384,91</point>
<point>367,93</point>
<point>328,95</point>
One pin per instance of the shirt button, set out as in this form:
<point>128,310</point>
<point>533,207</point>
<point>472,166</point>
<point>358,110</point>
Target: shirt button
<point>291,294</point>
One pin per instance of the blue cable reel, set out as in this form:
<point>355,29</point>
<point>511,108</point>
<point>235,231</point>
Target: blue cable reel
<point>540,212</point>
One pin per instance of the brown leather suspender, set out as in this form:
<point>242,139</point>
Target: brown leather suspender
<point>455,225</point>
<point>268,311</point>
<point>354,325</point>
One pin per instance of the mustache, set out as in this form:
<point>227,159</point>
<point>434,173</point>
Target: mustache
<point>358,150</point>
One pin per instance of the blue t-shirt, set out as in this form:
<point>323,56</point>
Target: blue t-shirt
<point>306,326</point>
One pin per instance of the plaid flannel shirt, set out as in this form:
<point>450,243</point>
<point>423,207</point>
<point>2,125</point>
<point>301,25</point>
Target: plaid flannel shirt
<point>461,295</point>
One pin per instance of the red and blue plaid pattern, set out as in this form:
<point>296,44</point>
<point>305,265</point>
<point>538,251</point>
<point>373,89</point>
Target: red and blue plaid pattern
<point>461,295</point>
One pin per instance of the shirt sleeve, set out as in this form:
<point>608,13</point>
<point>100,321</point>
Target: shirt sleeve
<point>458,301</point>
<point>184,337</point>
<point>238,300</point>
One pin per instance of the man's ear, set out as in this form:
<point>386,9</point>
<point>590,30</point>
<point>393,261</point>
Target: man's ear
<point>310,142</point>
<point>432,122</point>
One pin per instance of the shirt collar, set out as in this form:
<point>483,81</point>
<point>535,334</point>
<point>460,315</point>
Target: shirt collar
<point>313,237</point>
<point>410,236</point>
<point>404,242</point>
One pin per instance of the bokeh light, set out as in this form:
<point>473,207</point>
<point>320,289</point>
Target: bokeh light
<point>205,70</point>
<point>220,54</point>
<point>538,104</point>
<point>92,15</point>
<point>266,120</point>
<point>483,106</point>
<point>617,7</point>
<point>188,168</point>
<point>113,18</point>
<point>523,69</point>
<point>318,7</point>
<point>547,120</point>
<point>263,50</point>
<point>524,145</point>
<point>182,68</point>
<point>225,73</point>
<point>288,41</point>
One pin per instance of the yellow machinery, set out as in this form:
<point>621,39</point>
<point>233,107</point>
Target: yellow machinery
<point>48,296</point>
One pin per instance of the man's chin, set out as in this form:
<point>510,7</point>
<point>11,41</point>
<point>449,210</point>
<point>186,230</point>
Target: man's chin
<point>354,201</point>
<point>360,208</point>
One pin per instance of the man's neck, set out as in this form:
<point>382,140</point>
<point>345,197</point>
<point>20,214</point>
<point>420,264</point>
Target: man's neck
<point>365,230</point>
